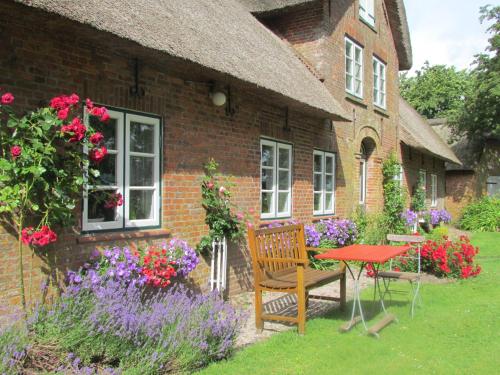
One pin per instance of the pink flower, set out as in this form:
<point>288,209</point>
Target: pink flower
<point>100,112</point>
<point>239,216</point>
<point>115,200</point>
<point>96,138</point>
<point>210,185</point>
<point>16,151</point>
<point>98,154</point>
<point>7,98</point>
<point>222,190</point>
<point>89,104</point>
<point>63,101</point>
<point>249,225</point>
<point>251,210</point>
<point>62,114</point>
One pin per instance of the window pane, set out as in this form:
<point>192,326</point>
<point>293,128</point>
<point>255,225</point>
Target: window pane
<point>318,163</point>
<point>267,179</point>
<point>97,210</point>
<point>348,66</point>
<point>348,48</point>
<point>266,203</point>
<point>329,201</point>
<point>357,88</point>
<point>267,156</point>
<point>107,168</point>
<point>357,71</point>
<point>357,55</point>
<point>318,183</point>
<point>317,201</point>
<point>141,204</point>
<point>141,171</point>
<point>329,183</point>
<point>284,158</point>
<point>142,138</point>
<point>108,129</point>
<point>348,82</point>
<point>329,164</point>
<point>283,180</point>
<point>283,202</point>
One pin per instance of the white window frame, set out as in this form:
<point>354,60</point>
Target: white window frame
<point>379,83</point>
<point>275,191</point>
<point>434,199</point>
<point>363,171</point>
<point>123,119</point>
<point>354,63</point>
<point>367,11</point>
<point>324,173</point>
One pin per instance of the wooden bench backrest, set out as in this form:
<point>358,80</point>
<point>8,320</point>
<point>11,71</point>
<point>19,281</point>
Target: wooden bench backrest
<point>405,238</point>
<point>285,243</point>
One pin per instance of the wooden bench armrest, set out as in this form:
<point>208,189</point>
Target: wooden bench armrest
<point>319,249</point>
<point>284,260</point>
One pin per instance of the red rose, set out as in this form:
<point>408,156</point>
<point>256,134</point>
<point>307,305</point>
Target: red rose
<point>27,235</point>
<point>100,112</point>
<point>43,237</point>
<point>62,114</point>
<point>96,138</point>
<point>89,104</point>
<point>15,151</point>
<point>115,200</point>
<point>76,130</point>
<point>98,154</point>
<point>63,101</point>
<point>7,98</point>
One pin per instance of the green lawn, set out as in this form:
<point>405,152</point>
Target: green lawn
<point>456,331</point>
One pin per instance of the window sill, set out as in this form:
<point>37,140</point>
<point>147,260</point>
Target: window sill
<point>355,100</point>
<point>122,235</point>
<point>318,218</point>
<point>372,27</point>
<point>381,111</point>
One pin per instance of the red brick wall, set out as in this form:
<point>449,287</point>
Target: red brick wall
<point>460,191</point>
<point>45,57</point>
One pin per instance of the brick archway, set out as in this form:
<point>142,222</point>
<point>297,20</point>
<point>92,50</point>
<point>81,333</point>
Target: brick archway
<point>368,169</point>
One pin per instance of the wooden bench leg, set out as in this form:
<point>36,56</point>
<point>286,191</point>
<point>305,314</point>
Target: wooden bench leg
<point>301,309</point>
<point>343,296</point>
<point>307,301</point>
<point>259,323</point>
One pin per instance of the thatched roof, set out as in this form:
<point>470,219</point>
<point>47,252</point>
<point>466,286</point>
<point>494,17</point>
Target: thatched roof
<point>395,9</point>
<point>220,35</point>
<point>417,133</point>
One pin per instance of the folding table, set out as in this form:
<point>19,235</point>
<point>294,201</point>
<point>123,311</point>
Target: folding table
<point>375,254</point>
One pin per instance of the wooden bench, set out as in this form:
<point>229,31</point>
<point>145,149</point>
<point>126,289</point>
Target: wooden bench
<point>280,264</point>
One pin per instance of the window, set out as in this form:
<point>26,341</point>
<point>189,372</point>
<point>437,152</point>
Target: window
<point>433,190</point>
<point>362,181</point>
<point>276,179</point>
<point>367,11</point>
<point>399,176</point>
<point>131,168</point>
<point>423,177</point>
<point>353,68</point>
<point>379,83</point>
<point>324,183</point>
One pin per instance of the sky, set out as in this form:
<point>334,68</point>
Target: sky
<point>446,31</point>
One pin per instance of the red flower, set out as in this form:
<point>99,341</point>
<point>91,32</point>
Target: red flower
<point>26,235</point>
<point>98,154</point>
<point>115,200</point>
<point>7,98</point>
<point>210,185</point>
<point>100,112</point>
<point>89,104</point>
<point>64,102</point>
<point>96,138</point>
<point>76,130</point>
<point>370,271</point>
<point>62,114</point>
<point>16,151</point>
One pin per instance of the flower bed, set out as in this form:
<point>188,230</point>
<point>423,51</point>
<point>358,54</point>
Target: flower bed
<point>445,258</point>
<point>331,233</point>
<point>123,313</point>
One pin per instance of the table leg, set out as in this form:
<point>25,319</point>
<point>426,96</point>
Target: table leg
<point>356,305</point>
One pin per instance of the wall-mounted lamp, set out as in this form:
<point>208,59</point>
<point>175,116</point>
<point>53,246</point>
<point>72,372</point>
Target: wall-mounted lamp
<point>218,98</point>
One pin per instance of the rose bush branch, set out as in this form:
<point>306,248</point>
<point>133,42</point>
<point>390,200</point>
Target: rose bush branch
<point>42,156</point>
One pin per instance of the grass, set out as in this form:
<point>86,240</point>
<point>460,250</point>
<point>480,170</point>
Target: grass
<point>456,331</point>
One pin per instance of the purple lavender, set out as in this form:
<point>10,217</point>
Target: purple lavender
<point>410,217</point>
<point>439,216</point>
<point>184,257</point>
<point>313,237</point>
<point>335,232</point>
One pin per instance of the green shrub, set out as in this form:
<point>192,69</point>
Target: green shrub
<point>482,216</point>
<point>13,345</point>
<point>394,199</point>
<point>438,233</point>
<point>375,229</point>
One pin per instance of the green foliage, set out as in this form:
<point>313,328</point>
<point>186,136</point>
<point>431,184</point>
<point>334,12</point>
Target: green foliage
<point>372,228</point>
<point>394,199</point>
<point>13,342</point>
<point>418,198</point>
<point>221,220</point>
<point>438,233</point>
<point>482,216</point>
<point>481,115</point>
<point>436,91</point>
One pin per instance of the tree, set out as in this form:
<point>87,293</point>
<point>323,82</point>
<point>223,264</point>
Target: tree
<point>480,117</point>
<point>437,91</point>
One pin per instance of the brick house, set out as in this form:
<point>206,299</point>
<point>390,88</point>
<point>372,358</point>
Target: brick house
<point>478,174</point>
<point>312,108</point>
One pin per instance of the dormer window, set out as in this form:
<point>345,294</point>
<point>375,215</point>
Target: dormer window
<point>367,11</point>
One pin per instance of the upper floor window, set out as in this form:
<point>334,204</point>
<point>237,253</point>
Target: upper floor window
<point>433,190</point>
<point>379,83</point>
<point>353,68</point>
<point>367,11</point>
<point>324,182</point>
<point>130,170</point>
<point>276,179</point>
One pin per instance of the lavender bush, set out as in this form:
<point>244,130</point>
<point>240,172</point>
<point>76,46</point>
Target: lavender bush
<point>410,217</point>
<point>13,349</point>
<point>439,216</point>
